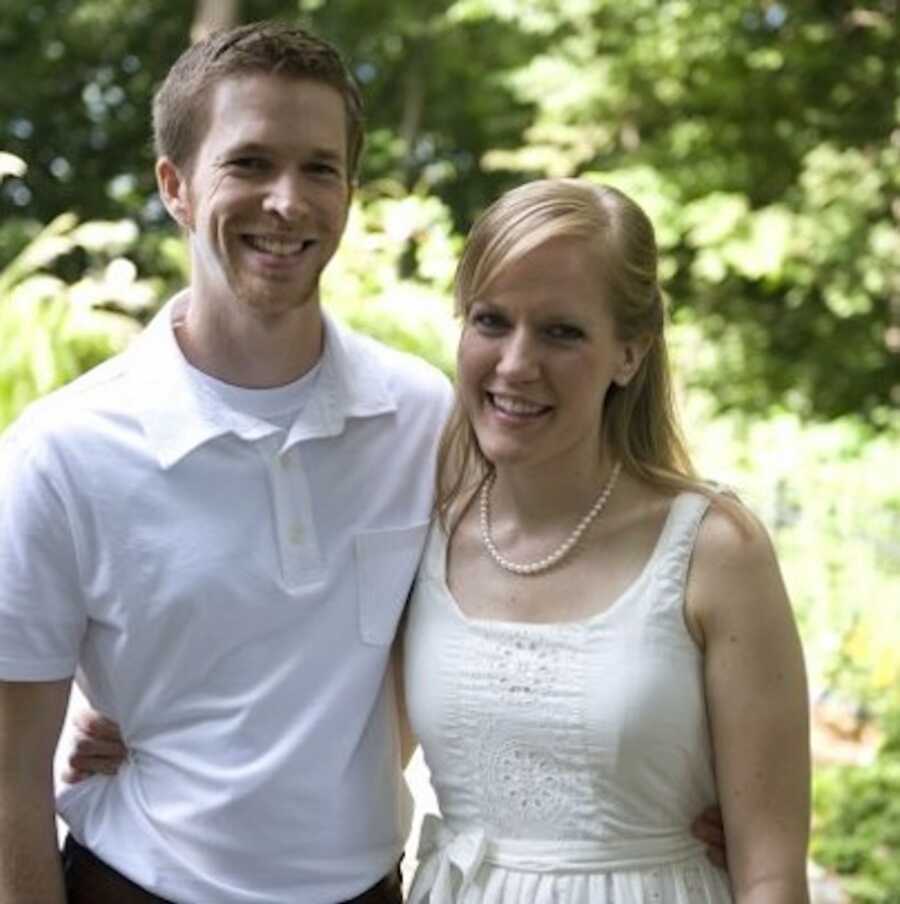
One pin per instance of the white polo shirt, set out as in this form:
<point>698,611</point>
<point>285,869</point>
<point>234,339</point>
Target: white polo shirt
<point>228,591</point>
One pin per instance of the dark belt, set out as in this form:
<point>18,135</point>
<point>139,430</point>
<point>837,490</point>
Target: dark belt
<point>91,881</point>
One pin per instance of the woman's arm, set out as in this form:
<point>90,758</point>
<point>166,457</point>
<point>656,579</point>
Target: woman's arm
<point>758,705</point>
<point>97,747</point>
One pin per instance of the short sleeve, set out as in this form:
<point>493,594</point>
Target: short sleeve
<point>42,612</point>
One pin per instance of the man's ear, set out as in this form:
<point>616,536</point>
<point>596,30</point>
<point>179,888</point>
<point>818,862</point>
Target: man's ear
<point>173,190</point>
<point>633,353</point>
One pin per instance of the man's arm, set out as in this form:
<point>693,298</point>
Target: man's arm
<point>31,716</point>
<point>707,827</point>
<point>408,742</point>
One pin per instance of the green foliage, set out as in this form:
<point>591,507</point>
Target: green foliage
<point>764,133</point>
<point>434,97</point>
<point>772,131</point>
<point>830,495</point>
<point>75,86</point>
<point>857,822</point>
<point>391,278</point>
<point>51,330</point>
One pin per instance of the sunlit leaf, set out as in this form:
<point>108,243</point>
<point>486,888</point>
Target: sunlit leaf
<point>11,165</point>
<point>715,218</point>
<point>107,237</point>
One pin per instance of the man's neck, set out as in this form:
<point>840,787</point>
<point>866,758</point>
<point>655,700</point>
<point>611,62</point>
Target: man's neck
<point>248,349</point>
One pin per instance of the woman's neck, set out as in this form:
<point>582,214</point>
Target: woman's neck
<point>536,496</point>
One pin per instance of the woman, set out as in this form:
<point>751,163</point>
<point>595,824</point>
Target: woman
<point>599,645</point>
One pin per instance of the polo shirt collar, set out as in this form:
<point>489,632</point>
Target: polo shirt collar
<point>178,414</point>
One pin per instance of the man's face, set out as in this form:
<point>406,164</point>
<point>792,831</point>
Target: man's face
<point>265,197</point>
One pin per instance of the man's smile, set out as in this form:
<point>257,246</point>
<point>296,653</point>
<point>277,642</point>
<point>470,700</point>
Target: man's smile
<point>280,246</point>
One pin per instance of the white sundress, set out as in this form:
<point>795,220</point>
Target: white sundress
<point>568,759</point>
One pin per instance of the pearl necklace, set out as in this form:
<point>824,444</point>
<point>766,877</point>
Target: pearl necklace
<point>561,551</point>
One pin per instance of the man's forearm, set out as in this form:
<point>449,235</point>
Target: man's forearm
<point>30,870</point>
<point>31,714</point>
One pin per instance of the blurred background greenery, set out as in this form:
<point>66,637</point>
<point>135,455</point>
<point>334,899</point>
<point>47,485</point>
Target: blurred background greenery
<point>764,139</point>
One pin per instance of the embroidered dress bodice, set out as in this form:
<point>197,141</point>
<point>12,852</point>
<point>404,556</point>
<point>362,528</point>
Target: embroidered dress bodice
<point>568,759</point>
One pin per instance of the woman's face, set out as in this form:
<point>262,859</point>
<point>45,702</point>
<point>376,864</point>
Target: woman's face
<point>537,355</point>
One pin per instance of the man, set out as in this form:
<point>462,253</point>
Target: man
<point>218,530</point>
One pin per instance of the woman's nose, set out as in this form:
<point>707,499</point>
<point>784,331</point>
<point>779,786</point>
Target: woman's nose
<point>519,357</point>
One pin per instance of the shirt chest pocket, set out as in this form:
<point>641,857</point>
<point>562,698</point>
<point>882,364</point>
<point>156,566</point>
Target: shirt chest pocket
<point>386,563</point>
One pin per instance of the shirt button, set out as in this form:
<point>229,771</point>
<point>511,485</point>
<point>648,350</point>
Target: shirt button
<point>295,534</point>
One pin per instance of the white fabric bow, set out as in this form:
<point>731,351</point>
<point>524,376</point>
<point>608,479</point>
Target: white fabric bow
<point>441,853</point>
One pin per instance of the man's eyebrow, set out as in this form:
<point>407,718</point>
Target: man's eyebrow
<point>255,147</point>
<point>245,147</point>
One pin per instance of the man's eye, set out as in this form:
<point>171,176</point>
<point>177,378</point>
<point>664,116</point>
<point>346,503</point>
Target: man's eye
<point>249,164</point>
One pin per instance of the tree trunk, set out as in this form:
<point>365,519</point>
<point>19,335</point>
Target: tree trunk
<point>211,15</point>
<point>413,108</point>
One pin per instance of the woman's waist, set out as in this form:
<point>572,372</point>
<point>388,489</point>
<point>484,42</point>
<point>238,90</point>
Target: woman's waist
<point>622,851</point>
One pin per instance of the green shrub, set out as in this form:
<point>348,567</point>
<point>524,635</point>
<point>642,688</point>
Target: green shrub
<point>857,821</point>
<point>392,276</point>
<point>830,495</point>
<point>50,330</point>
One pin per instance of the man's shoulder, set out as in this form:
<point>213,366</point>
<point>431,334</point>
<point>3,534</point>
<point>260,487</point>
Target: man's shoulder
<point>75,407</point>
<point>404,374</point>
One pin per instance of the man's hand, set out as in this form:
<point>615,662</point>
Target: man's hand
<point>98,748</point>
<point>708,828</point>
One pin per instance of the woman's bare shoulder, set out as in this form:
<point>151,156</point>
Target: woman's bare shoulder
<point>732,535</point>
<point>734,571</point>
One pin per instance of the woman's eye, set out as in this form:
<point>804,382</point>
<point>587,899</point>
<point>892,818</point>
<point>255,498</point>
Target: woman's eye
<point>565,332</point>
<point>323,169</point>
<point>486,320</point>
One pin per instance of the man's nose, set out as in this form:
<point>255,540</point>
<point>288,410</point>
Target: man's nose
<point>284,197</point>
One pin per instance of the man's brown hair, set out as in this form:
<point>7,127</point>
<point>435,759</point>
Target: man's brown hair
<point>180,106</point>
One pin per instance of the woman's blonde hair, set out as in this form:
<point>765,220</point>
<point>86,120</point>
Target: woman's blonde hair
<point>640,427</point>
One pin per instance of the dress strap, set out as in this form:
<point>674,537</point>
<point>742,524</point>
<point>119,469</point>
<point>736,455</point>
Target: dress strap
<point>677,544</point>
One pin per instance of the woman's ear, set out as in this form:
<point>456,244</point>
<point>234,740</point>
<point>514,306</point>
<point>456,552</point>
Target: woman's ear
<point>633,353</point>
<point>173,190</point>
